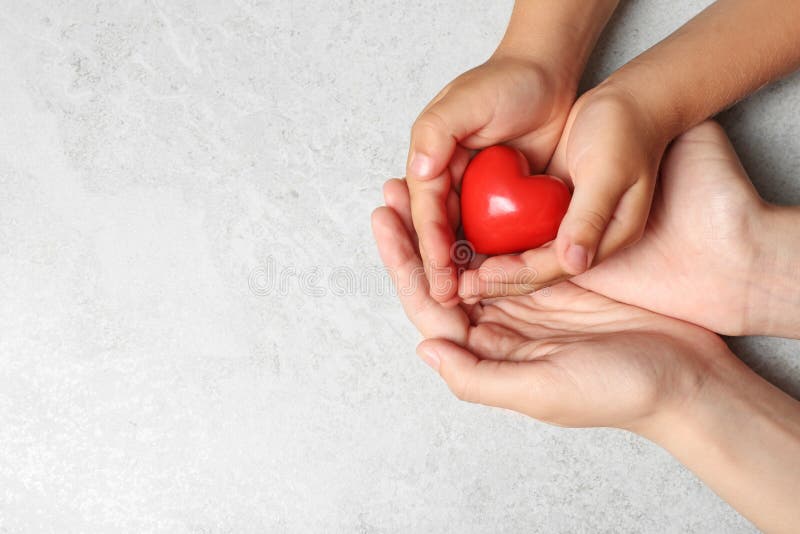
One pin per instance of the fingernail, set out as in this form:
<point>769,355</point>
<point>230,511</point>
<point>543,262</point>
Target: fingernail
<point>430,356</point>
<point>421,164</point>
<point>577,258</point>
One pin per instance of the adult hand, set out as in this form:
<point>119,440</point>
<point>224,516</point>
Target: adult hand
<point>714,253</point>
<point>575,358</point>
<point>568,356</point>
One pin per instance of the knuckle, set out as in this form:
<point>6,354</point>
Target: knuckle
<point>593,220</point>
<point>430,120</point>
<point>466,387</point>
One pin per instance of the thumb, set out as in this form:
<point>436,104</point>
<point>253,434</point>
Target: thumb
<point>591,209</point>
<point>504,384</point>
<point>440,127</point>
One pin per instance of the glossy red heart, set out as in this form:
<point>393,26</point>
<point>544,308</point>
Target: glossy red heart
<point>503,209</point>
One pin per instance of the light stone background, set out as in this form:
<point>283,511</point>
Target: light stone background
<point>155,159</point>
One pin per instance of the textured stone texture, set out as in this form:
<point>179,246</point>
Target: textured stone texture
<point>158,160</point>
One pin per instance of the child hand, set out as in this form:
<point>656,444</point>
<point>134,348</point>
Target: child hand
<point>714,253</point>
<point>610,152</point>
<point>506,100</point>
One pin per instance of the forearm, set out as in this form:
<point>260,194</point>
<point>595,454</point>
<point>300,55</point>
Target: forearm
<point>558,33</point>
<point>741,436</point>
<point>725,53</point>
<point>774,290</point>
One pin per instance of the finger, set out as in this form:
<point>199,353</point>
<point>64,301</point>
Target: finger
<point>395,195</point>
<point>516,274</point>
<point>458,164</point>
<point>492,341</point>
<point>495,290</point>
<point>495,341</point>
<point>539,266</point>
<point>472,288</point>
<point>629,221</point>
<point>429,211</point>
<point>434,141</point>
<point>405,268</point>
<point>440,95</point>
<point>438,129</point>
<point>593,203</point>
<point>519,386</point>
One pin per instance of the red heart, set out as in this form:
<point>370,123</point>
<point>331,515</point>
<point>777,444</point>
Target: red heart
<point>503,210</point>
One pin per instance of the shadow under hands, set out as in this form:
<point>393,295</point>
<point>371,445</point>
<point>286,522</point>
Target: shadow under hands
<point>775,359</point>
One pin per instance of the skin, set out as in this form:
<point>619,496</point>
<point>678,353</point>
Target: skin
<point>573,357</point>
<point>713,252</point>
<point>609,153</point>
<point>615,135</point>
<point>521,96</point>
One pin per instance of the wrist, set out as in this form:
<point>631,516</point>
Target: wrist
<point>741,436</point>
<point>649,86</point>
<point>723,54</point>
<point>558,35</point>
<point>703,365</point>
<point>774,288</point>
<point>706,394</point>
<point>660,124</point>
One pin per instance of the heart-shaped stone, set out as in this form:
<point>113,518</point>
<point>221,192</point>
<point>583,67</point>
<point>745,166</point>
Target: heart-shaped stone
<point>503,209</point>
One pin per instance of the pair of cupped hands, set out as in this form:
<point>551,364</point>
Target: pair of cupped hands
<point>630,339</point>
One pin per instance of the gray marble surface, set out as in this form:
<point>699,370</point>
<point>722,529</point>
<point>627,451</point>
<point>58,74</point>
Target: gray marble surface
<point>159,163</point>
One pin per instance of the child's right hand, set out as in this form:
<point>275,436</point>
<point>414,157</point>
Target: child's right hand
<point>506,100</point>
